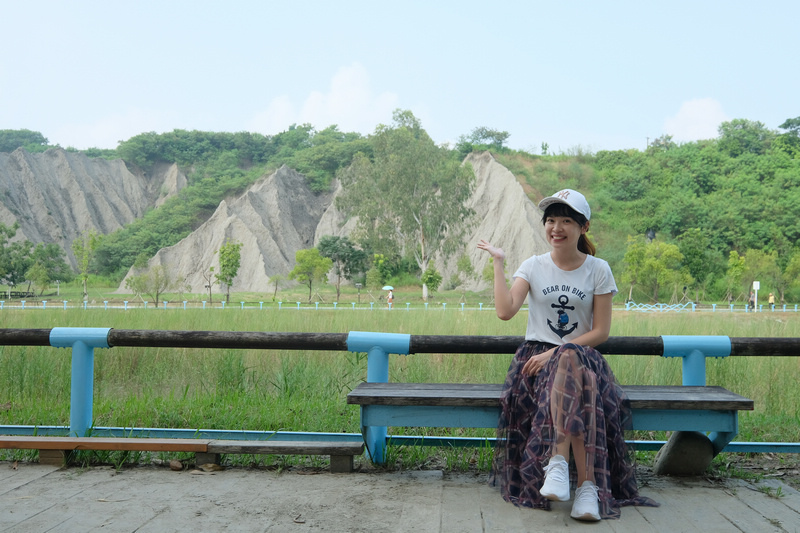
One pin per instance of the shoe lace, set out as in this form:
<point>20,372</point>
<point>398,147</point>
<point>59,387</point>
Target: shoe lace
<point>587,493</point>
<point>556,471</point>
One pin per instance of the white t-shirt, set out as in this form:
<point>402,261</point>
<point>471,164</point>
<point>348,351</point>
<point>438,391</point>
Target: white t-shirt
<point>560,302</point>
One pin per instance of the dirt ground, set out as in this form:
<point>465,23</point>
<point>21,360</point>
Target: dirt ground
<point>783,467</point>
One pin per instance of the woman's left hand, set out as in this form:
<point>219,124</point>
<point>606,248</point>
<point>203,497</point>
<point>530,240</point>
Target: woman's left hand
<point>537,362</point>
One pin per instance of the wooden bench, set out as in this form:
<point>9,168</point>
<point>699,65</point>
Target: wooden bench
<point>18,294</point>
<point>660,408</point>
<point>56,450</point>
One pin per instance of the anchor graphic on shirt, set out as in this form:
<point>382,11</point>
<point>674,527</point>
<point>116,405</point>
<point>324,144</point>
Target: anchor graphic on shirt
<point>563,318</point>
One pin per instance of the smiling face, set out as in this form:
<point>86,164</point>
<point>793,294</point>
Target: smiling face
<point>563,231</point>
<point>563,226</point>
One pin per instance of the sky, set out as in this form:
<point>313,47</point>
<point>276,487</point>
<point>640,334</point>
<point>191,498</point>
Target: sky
<point>579,75</point>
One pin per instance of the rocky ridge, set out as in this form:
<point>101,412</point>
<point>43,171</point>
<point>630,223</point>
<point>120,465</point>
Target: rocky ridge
<point>56,195</point>
<point>279,215</point>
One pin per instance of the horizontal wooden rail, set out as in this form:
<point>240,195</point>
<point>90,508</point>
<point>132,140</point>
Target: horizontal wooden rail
<point>474,344</point>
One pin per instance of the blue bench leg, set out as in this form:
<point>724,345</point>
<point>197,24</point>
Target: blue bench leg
<point>720,440</point>
<point>375,440</point>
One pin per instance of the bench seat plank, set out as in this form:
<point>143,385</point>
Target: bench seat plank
<point>488,395</point>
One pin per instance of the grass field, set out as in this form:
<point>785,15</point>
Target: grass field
<point>305,390</point>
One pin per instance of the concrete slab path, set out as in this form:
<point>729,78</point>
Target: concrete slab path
<point>38,498</point>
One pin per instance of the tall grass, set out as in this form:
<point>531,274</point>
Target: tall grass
<point>305,390</point>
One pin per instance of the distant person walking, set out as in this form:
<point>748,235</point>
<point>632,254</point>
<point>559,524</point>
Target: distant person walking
<point>390,298</point>
<point>771,302</point>
<point>751,302</point>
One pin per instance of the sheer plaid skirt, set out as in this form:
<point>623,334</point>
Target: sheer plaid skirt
<point>576,394</point>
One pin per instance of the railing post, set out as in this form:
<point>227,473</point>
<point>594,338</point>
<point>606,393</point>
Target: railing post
<point>694,349</point>
<point>378,346</point>
<point>83,341</point>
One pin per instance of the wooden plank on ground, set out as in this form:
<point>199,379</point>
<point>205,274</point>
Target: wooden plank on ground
<point>103,443</point>
<point>274,447</point>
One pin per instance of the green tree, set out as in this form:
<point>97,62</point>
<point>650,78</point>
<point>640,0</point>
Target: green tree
<point>432,278</point>
<point>32,141</point>
<point>348,260</point>
<point>791,274</point>
<point>37,275</point>
<point>6,233</point>
<point>374,279</point>
<point>84,248</point>
<point>633,263</point>
<point>734,274</point>
<point>482,138</point>
<point>209,281</point>
<point>655,265</point>
<point>465,268</point>
<point>53,258</point>
<point>411,198</point>
<point>762,266</point>
<point>698,257</point>
<point>230,258</point>
<point>276,280</point>
<point>310,267</point>
<point>789,142</point>
<point>153,281</point>
<point>742,136</point>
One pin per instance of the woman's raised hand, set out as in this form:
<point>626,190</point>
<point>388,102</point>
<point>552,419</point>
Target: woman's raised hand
<point>496,253</point>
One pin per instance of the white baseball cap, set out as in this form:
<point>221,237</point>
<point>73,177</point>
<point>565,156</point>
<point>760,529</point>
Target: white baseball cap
<point>574,199</point>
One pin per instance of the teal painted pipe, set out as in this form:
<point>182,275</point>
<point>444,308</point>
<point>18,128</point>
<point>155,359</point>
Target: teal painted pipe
<point>694,349</point>
<point>378,346</point>
<point>83,341</point>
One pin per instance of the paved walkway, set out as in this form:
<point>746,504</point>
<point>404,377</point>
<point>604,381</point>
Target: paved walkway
<point>37,498</point>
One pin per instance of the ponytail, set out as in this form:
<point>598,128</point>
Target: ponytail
<point>586,246</point>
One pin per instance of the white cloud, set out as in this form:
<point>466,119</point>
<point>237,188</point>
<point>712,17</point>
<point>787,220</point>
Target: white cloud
<point>349,103</point>
<point>696,120</point>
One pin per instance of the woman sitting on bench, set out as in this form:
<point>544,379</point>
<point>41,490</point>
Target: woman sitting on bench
<point>560,393</point>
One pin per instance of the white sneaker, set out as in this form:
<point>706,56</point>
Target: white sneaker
<point>556,480</point>
<point>586,506</point>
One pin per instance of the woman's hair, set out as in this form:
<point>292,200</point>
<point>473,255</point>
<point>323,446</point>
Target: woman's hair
<point>563,210</point>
